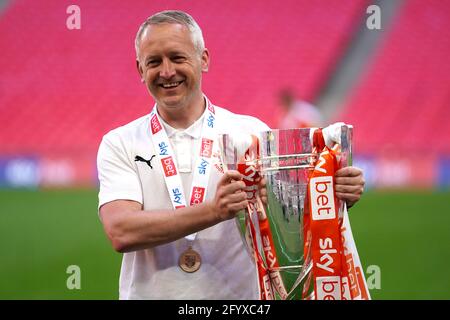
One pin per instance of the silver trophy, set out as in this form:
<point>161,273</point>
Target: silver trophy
<point>285,159</point>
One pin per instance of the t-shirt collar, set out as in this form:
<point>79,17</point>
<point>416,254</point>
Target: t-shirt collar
<point>194,130</point>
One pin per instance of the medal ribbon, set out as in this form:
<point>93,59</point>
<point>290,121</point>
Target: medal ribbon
<point>166,157</point>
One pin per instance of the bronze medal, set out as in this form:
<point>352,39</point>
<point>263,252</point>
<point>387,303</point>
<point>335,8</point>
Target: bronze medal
<point>190,261</point>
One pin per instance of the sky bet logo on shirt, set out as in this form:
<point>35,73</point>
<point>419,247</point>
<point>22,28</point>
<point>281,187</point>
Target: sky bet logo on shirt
<point>198,193</point>
<point>202,167</point>
<point>163,151</point>
<point>211,120</point>
<point>177,197</point>
<point>168,166</point>
<point>154,124</point>
<point>206,150</point>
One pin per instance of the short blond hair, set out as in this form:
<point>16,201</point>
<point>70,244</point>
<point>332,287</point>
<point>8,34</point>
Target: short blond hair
<point>176,17</point>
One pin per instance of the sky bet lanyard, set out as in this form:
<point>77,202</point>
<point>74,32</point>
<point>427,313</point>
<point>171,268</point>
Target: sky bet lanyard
<point>202,169</point>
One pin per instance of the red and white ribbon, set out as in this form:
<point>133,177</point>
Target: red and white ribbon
<point>337,270</point>
<point>166,157</point>
<point>269,277</point>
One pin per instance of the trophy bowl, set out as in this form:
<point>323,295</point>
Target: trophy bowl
<point>274,231</point>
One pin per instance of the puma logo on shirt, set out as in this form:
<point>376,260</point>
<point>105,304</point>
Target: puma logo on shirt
<point>149,162</point>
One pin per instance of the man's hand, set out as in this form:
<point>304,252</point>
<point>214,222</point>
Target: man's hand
<point>349,184</point>
<point>230,196</point>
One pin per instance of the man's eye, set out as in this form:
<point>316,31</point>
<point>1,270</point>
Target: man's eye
<point>178,58</point>
<point>152,62</point>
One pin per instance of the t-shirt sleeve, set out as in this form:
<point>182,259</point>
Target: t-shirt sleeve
<point>262,126</point>
<point>116,173</point>
<point>256,125</point>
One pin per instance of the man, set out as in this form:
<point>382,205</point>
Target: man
<point>298,113</point>
<point>152,169</point>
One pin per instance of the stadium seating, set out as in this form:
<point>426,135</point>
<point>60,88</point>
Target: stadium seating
<point>401,101</point>
<point>61,90</point>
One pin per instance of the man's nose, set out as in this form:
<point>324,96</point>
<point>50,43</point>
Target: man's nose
<point>167,69</point>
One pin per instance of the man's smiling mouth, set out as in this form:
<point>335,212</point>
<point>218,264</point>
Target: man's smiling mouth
<point>170,85</point>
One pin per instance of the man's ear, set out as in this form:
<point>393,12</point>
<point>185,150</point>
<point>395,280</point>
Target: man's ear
<point>205,60</point>
<point>140,71</point>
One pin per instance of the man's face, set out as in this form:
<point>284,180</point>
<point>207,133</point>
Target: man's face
<point>170,65</point>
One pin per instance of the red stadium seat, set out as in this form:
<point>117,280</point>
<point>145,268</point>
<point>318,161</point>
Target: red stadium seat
<point>61,89</point>
<point>402,99</point>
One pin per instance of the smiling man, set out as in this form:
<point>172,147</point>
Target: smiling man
<point>171,58</point>
<point>172,215</point>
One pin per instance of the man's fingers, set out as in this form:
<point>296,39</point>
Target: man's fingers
<point>349,198</point>
<point>232,187</point>
<point>261,181</point>
<point>236,197</point>
<point>264,200</point>
<point>229,176</point>
<point>349,181</point>
<point>349,184</point>
<point>230,182</point>
<point>231,192</point>
<point>350,189</point>
<point>348,172</point>
<point>235,207</point>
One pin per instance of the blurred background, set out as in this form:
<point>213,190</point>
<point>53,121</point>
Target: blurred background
<point>383,69</point>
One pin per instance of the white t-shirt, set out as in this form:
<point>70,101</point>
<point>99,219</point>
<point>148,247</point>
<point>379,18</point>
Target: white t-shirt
<point>227,270</point>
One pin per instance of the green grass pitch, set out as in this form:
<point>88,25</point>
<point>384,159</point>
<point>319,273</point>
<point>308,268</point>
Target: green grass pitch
<point>405,234</point>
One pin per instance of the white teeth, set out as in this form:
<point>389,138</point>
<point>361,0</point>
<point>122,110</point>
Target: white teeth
<point>170,85</point>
